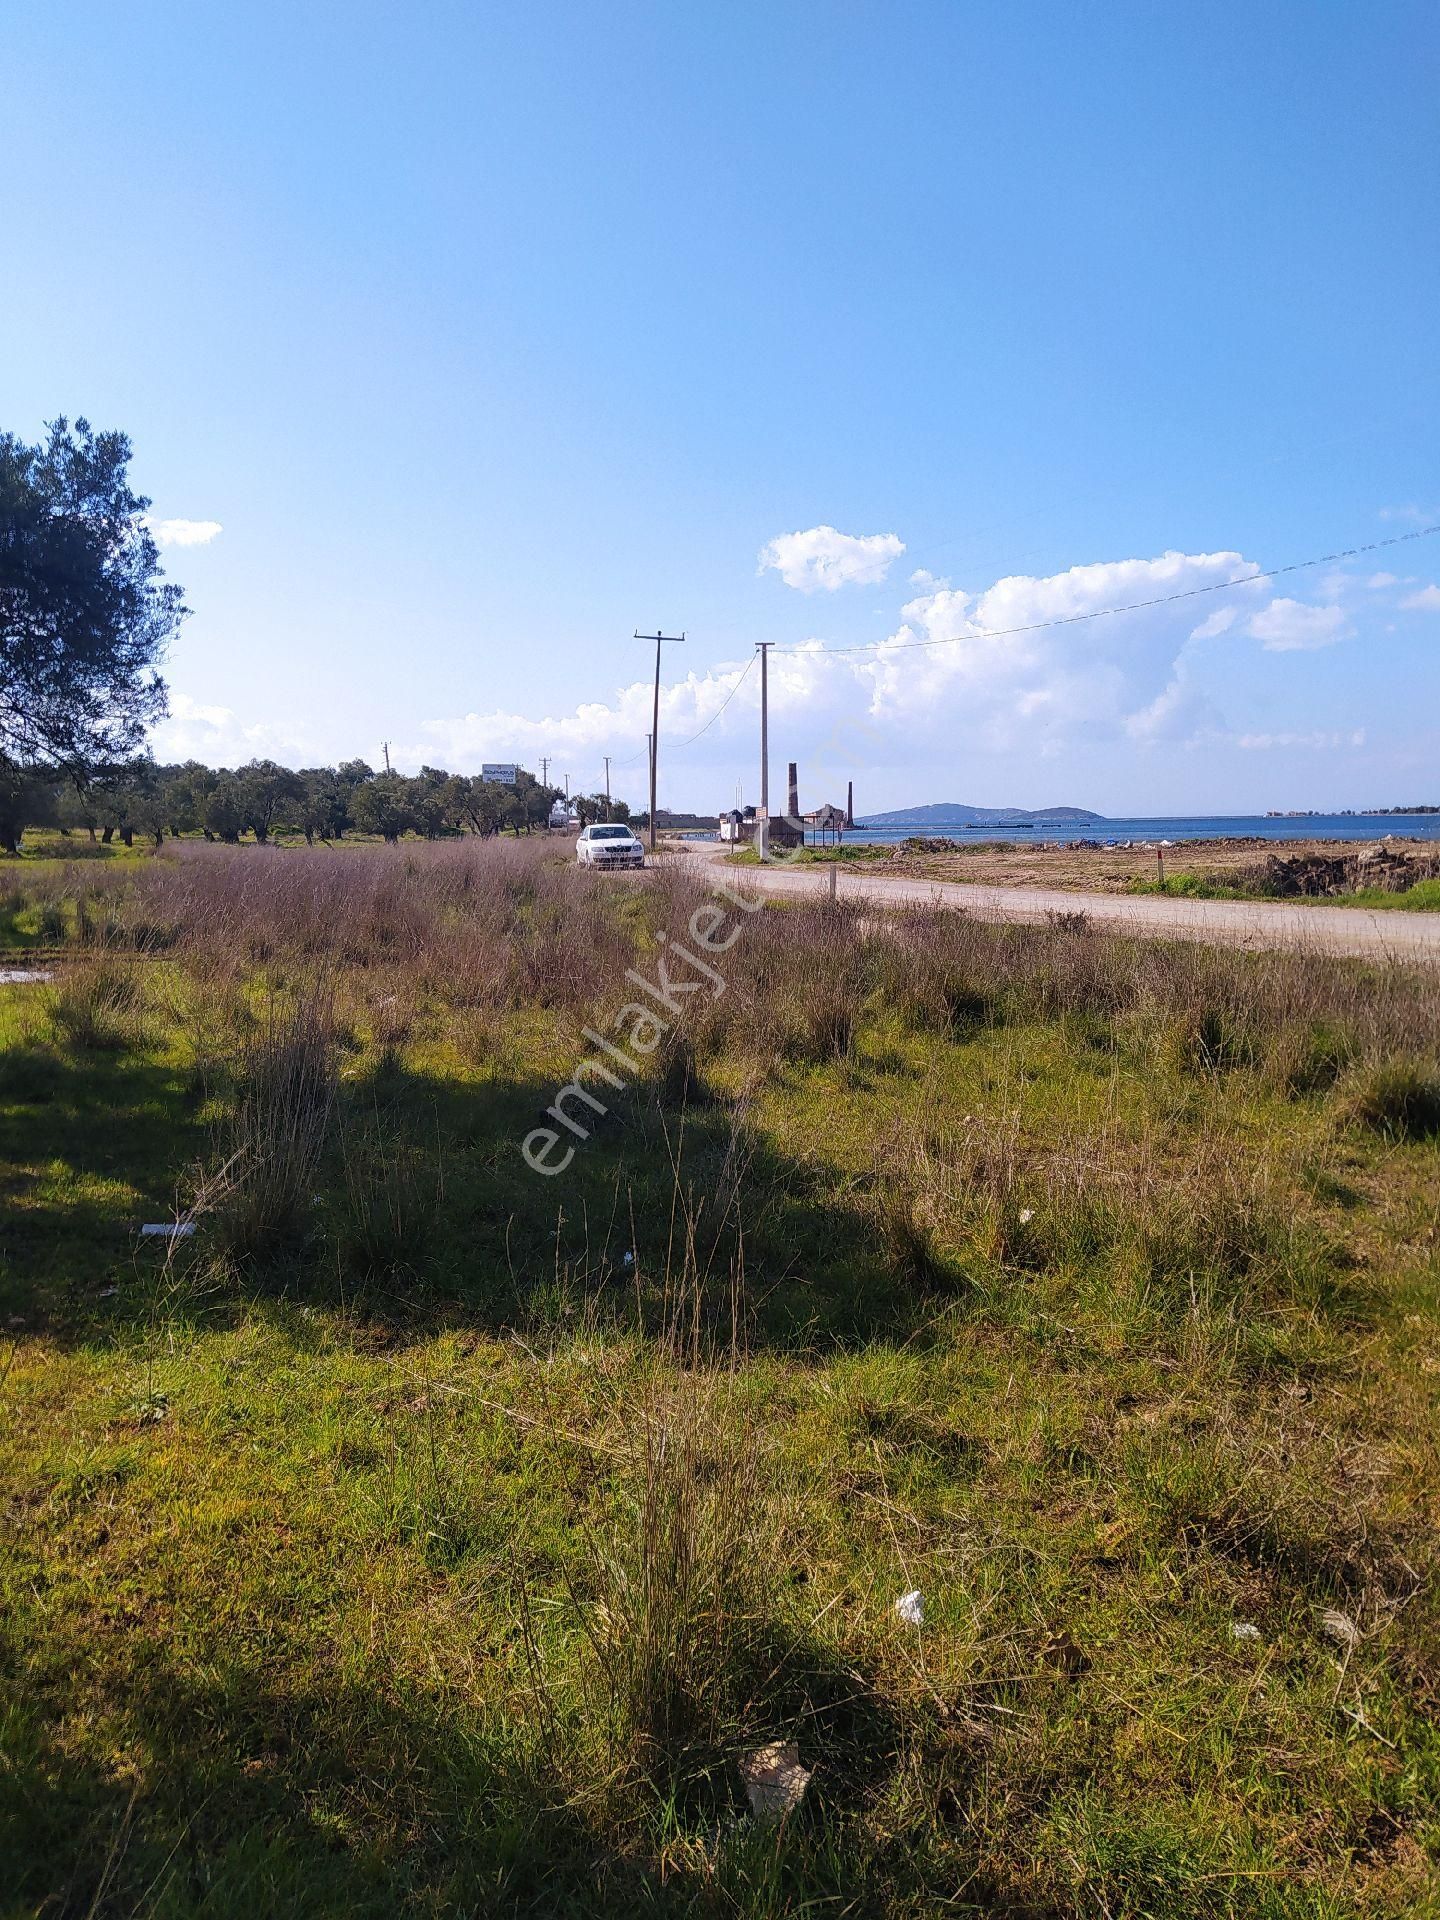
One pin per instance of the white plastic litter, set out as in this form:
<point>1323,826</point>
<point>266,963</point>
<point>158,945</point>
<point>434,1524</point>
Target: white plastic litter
<point>629,1259</point>
<point>911,1608</point>
<point>1242,1630</point>
<point>168,1230</point>
<point>1339,1627</point>
<point>1027,1214</point>
<point>775,1781</point>
<point>24,976</point>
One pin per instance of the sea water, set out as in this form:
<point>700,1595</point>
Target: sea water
<point>1225,826</point>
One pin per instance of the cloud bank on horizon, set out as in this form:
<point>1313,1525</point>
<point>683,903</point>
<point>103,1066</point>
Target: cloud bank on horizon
<point>1024,670</point>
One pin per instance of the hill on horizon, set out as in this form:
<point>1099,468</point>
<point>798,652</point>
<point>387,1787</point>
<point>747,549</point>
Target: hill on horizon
<point>953,813</point>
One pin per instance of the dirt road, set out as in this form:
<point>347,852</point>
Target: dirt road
<point>1389,935</point>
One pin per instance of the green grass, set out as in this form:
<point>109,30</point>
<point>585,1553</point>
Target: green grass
<point>439,1559</point>
<point>49,843</point>
<point>816,855</point>
<point>1423,897</point>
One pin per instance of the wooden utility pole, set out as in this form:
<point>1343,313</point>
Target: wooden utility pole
<point>676,639</point>
<point>544,770</point>
<point>607,786</point>
<point>762,813</point>
<point>385,749</point>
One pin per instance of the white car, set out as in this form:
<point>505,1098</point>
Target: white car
<point>604,845</point>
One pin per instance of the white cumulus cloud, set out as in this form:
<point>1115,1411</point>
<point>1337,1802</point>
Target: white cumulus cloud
<point>821,559</point>
<point>1115,658</point>
<point>1047,659</point>
<point>217,735</point>
<point>1216,623</point>
<point>1289,626</point>
<point>1427,600</point>
<point>185,533</point>
<point>952,679</point>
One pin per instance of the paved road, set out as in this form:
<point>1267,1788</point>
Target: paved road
<point>1411,937</point>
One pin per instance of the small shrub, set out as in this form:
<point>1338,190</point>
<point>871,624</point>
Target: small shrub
<point>93,1007</point>
<point>1398,1098</point>
<point>906,1238</point>
<point>1308,1058</point>
<point>50,923</point>
<point>827,1027</point>
<point>1207,1040</point>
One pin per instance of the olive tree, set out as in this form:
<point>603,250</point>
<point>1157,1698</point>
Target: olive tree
<point>85,612</point>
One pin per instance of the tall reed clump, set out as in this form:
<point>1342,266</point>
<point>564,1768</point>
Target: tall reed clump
<point>677,1593</point>
<point>94,1006</point>
<point>263,1197</point>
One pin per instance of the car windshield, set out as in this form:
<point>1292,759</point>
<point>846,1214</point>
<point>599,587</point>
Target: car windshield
<point>609,833</point>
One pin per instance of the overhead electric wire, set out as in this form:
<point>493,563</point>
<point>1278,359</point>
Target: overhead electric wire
<point>1064,619</point>
<point>721,708</point>
<point>1133,606</point>
<point>635,759</point>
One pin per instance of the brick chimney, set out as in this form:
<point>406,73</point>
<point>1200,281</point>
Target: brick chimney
<point>793,806</point>
<point>849,803</point>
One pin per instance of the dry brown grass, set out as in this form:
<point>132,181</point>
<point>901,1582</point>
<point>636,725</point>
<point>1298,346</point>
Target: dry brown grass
<point>802,976</point>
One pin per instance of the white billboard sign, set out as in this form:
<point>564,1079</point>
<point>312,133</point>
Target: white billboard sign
<point>503,773</point>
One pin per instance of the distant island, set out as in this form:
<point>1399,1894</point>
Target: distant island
<point>1343,813</point>
<point>950,813</point>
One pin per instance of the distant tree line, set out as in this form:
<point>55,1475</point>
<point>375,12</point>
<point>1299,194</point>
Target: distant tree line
<point>85,617</point>
<point>137,798</point>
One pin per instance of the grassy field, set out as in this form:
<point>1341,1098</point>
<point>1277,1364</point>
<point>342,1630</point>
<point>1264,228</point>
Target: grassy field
<point>426,1536</point>
<point>1423,897</point>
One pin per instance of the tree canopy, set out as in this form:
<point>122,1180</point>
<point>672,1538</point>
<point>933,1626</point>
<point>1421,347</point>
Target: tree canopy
<point>136,796</point>
<point>85,613</point>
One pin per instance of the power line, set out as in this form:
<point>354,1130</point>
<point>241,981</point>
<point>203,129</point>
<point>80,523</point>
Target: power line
<point>1133,606</point>
<point>720,709</point>
<point>635,758</point>
<point>1062,620</point>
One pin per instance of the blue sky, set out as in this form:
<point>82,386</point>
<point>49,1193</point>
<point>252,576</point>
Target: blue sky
<point>487,334</point>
